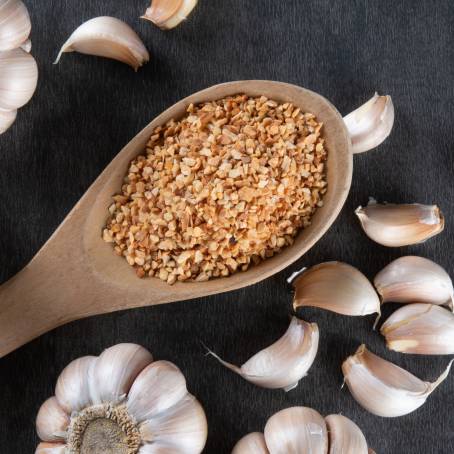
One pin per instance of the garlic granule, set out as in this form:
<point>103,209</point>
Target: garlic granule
<point>228,185</point>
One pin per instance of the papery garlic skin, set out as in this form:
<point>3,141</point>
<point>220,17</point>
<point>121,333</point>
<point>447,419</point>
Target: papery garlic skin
<point>51,448</point>
<point>253,443</point>
<point>18,78</point>
<point>345,437</point>
<point>396,225</point>
<point>284,363</point>
<point>167,14</point>
<point>337,287</point>
<point>422,329</point>
<point>296,430</point>
<point>15,25</point>
<point>383,388</point>
<point>107,37</point>
<point>7,118</point>
<point>370,124</point>
<point>413,279</point>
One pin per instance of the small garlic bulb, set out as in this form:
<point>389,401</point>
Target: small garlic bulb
<point>345,436</point>
<point>107,37</point>
<point>7,118</point>
<point>383,388</point>
<point>337,287</point>
<point>253,443</point>
<point>121,401</point>
<point>15,24</point>
<point>370,124</point>
<point>413,279</point>
<point>167,14</point>
<point>400,225</point>
<point>284,363</point>
<point>422,329</point>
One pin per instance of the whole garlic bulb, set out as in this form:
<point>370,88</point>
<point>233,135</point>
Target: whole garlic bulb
<point>121,401</point>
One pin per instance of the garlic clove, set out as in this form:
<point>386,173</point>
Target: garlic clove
<point>107,37</point>
<point>284,363</point>
<point>253,443</point>
<point>51,448</point>
<point>383,388</point>
<point>396,225</point>
<point>18,78</point>
<point>7,118</point>
<point>115,371</point>
<point>72,390</point>
<point>345,436</point>
<point>52,421</point>
<point>15,25</point>
<point>167,14</point>
<point>337,287</point>
<point>422,329</point>
<point>370,124</point>
<point>413,279</point>
<point>158,387</point>
<point>181,428</point>
<point>296,430</point>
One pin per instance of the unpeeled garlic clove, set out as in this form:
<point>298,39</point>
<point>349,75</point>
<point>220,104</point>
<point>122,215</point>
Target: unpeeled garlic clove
<point>7,118</point>
<point>284,363</point>
<point>337,287</point>
<point>51,448</point>
<point>422,329</point>
<point>296,430</point>
<point>370,124</point>
<point>383,388</point>
<point>107,37</point>
<point>413,279</point>
<point>253,443</point>
<point>52,421</point>
<point>18,78</point>
<point>396,225</point>
<point>167,14</point>
<point>345,436</point>
<point>15,24</point>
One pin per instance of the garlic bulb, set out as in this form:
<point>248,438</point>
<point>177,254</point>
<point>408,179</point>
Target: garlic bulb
<point>284,363</point>
<point>413,279</point>
<point>121,401</point>
<point>422,329</point>
<point>253,443</point>
<point>167,14</point>
<point>337,287</point>
<point>107,37</point>
<point>18,78</point>
<point>383,388</point>
<point>15,24</point>
<point>345,436</point>
<point>7,118</point>
<point>400,225</point>
<point>370,124</point>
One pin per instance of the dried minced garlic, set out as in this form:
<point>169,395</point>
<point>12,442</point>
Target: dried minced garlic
<point>228,185</point>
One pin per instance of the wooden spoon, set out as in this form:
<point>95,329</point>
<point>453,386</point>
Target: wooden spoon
<point>76,274</point>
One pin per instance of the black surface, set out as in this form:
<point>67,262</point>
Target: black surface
<point>86,109</point>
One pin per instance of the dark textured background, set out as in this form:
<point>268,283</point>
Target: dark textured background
<point>85,110</point>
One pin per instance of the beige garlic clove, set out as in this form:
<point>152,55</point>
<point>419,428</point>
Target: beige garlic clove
<point>51,448</point>
<point>345,437</point>
<point>413,279</point>
<point>370,124</point>
<point>7,118</point>
<point>253,443</point>
<point>18,78</point>
<point>337,287</point>
<point>396,225</point>
<point>107,37</point>
<point>52,421</point>
<point>158,387</point>
<point>383,388</point>
<point>296,430</point>
<point>181,428</point>
<point>15,24</point>
<point>115,371</point>
<point>167,14</point>
<point>284,363</point>
<point>423,329</point>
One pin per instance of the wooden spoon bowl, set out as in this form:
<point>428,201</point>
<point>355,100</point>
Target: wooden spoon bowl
<point>76,274</point>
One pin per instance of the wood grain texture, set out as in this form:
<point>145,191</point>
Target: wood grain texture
<point>86,109</point>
